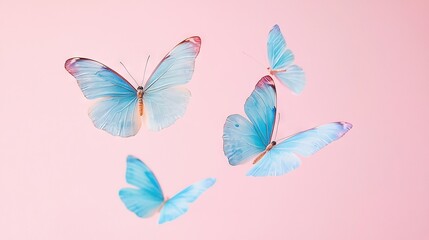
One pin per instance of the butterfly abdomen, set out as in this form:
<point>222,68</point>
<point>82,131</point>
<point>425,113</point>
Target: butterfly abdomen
<point>261,155</point>
<point>140,100</point>
<point>274,71</point>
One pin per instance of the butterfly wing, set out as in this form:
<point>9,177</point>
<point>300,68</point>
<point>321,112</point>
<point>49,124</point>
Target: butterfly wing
<point>165,100</point>
<point>281,59</point>
<point>240,140</point>
<point>179,203</point>
<point>260,108</point>
<point>243,139</point>
<point>282,158</point>
<point>148,197</point>
<point>116,111</point>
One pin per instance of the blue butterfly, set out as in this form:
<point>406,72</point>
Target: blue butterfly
<point>281,60</point>
<point>244,140</point>
<point>148,198</point>
<point>121,106</point>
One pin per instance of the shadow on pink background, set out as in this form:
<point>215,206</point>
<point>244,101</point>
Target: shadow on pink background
<point>366,63</point>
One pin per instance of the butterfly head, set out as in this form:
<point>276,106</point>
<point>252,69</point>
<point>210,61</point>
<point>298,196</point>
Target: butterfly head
<point>271,145</point>
<point>139,91</point>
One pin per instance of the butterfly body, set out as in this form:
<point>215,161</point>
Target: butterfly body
<point>121,108</point>
<point>140,99</point>
<point>261,155</point>
<point>273,72</point>
<point>246,140</point>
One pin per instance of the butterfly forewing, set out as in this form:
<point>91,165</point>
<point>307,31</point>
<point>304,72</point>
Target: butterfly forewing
<point>165,99</point>
<point>283,157</point>
<point>260,108</point>
<point>97,80</point>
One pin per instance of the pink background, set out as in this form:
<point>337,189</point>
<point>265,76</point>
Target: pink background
<point>366,63</point>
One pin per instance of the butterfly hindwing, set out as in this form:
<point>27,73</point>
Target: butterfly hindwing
<point>293,78</point>
<point>118,116</point>
<point>240,140</point>
<point>165,100</point>
<point>274,163</point>
<point>281,61</point>
<point>283,157</point>
<point>148,197</point>
<point>179,203</point>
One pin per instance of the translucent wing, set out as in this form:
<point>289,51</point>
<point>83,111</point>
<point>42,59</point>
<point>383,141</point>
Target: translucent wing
<point>97,80</point>
<point>275,163</point>
<point>281,59</point>
<point>240,140</point>
<point>163,108</point>
<point>310,141</point>
<point>164,101</point>
<point>279,56</point>
<point>293,78</point>
<point>260,108</point>
<point>283,158</point>
<point>148,198</point>
<point>116,111</point>
<point>179,203</point>
<point>118,116</point>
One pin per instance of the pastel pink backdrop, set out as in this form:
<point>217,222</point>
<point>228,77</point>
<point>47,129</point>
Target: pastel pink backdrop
<point>366,63</point>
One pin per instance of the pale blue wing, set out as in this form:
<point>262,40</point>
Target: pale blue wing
<point>163,108</point>
<point>118,115</point>
<point>240,140</point>
<point>140,202</point>
<point>310,141</point>
<point>148,198</point>
<point>260,108</point>
<point>279,56</point>
<point>116,111</point>
<point>275,163</point>
<point>281,59</point>
<point>282,158</point>
<point>139,175</point>
<point>179,203</point>
<point>164,99</point>
<point>97,80</point>
<point>293,78</point>
<point>176,68</point>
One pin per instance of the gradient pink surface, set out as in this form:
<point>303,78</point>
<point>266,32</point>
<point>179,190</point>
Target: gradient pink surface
<point>366,63</point>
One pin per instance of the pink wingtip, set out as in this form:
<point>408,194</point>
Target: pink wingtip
<point>266,80</point>
<point>347,125</point>
<point>68,65</point>
<point>194,39</point>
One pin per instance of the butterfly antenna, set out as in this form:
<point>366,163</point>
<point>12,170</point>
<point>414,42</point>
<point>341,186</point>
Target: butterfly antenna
<point>144,73</point>
<point>129,74</point>
<point>277,127</point>
<point>254,59</point>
